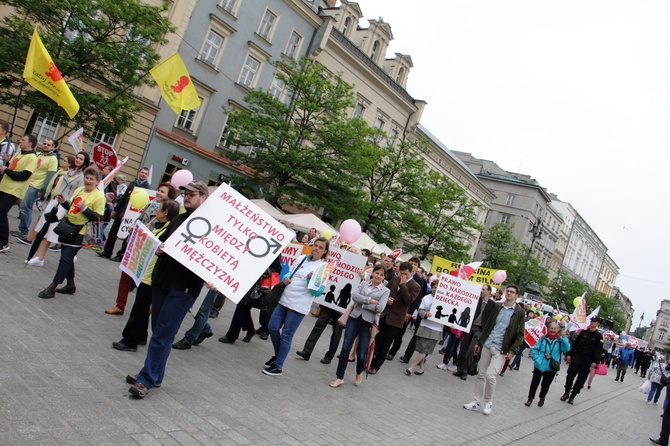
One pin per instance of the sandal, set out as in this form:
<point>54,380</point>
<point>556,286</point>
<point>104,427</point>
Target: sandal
<point>138,390</point>
<point>132,379</point>
<point>336,383</point>
<point>359,380</point>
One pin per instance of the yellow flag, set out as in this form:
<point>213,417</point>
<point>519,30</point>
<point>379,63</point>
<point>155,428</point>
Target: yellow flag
<point>176,86</point>
<point>43,75</point>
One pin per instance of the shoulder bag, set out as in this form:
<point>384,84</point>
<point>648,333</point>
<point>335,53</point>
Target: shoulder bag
<point>270,299</point>
<point>554,365</point>
<point>66,231</point>
<point>664,379</point>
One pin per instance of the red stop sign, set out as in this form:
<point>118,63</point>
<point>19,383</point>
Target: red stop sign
<point>104,155</point>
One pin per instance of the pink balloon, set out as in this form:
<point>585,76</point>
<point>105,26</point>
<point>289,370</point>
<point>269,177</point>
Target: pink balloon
<point>499,276</point>
<point>181,178</point>
<point>350,231</point>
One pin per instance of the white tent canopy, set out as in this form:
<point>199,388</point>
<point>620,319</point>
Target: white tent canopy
<point>304,222</point>
<point>365,242</point>
<point>267,207</point>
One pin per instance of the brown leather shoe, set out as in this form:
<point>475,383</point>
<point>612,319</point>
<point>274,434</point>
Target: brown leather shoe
<point>115,310</point>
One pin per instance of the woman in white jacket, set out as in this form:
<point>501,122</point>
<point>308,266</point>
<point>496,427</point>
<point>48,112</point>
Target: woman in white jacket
<point>294,304</point>
<point>428,333</point>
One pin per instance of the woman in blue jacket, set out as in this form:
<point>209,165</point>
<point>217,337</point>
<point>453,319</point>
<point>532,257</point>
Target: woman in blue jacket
<point>551,345</point>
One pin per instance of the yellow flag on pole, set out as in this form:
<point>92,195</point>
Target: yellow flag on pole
<point>176,86</point>
<point>43,75</point>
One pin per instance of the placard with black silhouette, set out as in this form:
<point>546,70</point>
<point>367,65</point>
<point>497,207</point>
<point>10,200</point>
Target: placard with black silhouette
<point>455,302</point>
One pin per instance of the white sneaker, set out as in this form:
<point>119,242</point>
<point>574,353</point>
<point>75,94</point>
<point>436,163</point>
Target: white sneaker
<point>35,261</point>
<point>451,368</point>
<point>442,366</point>
<point>472,405</point>
<point>487,408</point>
<point>4,248</point>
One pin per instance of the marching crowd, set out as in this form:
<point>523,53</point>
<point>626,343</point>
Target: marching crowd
<point>392,298</point>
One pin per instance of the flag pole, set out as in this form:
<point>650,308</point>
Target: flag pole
<point>81,121</point>
<point>16,107</point>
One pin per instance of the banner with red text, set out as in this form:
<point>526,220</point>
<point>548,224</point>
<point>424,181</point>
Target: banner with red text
<point>455,302</point>
<point>140,251</point>
<point>480,276</point>
<point>228,241</point>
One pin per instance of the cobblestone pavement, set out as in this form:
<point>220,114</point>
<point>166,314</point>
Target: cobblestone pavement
<point>62,383</point>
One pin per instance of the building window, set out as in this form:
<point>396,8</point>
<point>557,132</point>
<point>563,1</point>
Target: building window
<point>228,5</point>
<point>375,48</point>
<point>266,28</point>
<point>664,323</point>
<point>506,219</point>
<point>510,200</point>
<point>44,128</point>
<point>393,136</point>
<point>278,88</point>
<point>359,110</point>
<point>345,27</point>
<point>249,70</point>
<point>379,124</point>
<point>100,136</point>
<point>400,78</point>
<point>170,169</point>
<point>293,45</point>
<point>186,119</point>
<point>661,335</point>
<point>210,49</point>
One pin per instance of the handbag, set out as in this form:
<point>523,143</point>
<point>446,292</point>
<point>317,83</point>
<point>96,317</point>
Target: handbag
<point>601,369</point>
<point>66,231</point>
<point>664,379</point>
<point>270,299</point>
<point>554,365</point>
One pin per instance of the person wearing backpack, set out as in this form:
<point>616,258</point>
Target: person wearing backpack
<point>548,347</point>
<point>6,145</point>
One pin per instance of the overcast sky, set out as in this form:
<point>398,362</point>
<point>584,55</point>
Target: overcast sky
<point>573,93</point>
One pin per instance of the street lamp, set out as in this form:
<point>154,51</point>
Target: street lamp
<point>641,319</point>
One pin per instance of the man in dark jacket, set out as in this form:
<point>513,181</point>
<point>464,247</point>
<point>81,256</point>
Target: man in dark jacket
<point>501,337</point>
<point>119,210</point>
<point>582,357</point>
<point>174,289</point>
<point>404,290</point>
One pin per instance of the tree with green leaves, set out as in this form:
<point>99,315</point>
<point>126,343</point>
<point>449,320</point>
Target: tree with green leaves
<point>564,289</point>
<point>501,250</point>
<point>305,151</point>
<point>392,180</point>
<point>443,221</point>
<point>101,47</point>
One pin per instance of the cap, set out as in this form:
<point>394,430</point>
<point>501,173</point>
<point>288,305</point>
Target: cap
<point>597,319</point>
<point>196,186</point>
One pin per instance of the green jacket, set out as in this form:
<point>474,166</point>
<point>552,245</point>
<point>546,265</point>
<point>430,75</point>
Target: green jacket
<point>514,333</point>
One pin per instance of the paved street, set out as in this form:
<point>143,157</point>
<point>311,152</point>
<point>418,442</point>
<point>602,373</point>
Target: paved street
<point>62,383</point>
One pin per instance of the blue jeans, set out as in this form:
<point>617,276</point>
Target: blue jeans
<point>167,313</point>
<point>666,402</point>
<point>27,204</point>
<point>656,389</point>
<point>103,227</point>
<point>355,327</point>
<point>200,325</point>
<point>283,325</point>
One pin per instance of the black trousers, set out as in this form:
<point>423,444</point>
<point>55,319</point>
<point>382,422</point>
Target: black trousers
<point>581,371</point>
<point>137,327</point>
<point>241,319</point>
<point>665,425</point>
<point>326,317</point>
<point>6,203</point>
<point>111,237</point>
<point>383,342</point>
<point>397,340</point>
<point>546,377</point>
<point>467,349</point>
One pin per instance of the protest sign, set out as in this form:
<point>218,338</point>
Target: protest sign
<point>131,215</point>
<point>533,329</point>
<point>343,279</point>
<point>480,276</point>
<point>293,251</point>
<point>228,241</point>
<point>140,251</point>
<point>455,302</point>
